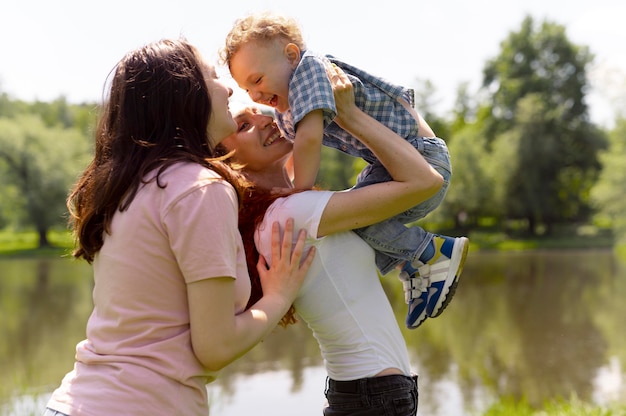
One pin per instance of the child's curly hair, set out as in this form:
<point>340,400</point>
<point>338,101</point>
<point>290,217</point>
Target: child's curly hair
<point>264,26</point>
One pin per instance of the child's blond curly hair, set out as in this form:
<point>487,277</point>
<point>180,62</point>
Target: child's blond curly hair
<point>264,26</point>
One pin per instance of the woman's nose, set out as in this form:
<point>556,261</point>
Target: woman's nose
<point>266,121</point>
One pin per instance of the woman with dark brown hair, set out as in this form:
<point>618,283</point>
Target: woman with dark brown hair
<point>156,215</point>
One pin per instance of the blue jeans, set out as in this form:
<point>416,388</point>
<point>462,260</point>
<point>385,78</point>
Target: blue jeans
<point>393,395</point>
<point>394,242</point>
<point>50,412</point>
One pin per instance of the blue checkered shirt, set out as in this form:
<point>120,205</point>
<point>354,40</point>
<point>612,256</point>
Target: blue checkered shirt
<point>310,89</point>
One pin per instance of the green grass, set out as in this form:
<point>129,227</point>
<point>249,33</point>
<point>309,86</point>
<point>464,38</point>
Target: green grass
<point>570,237</point>
<point>560,407</point>
<point>25,244</point>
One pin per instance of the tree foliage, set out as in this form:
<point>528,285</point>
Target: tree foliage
<point>522,147</point>
<point>538,84</point>
<point>470,195</point>
<point>38,165</point>
<point>540,61</point>
<point>608,194</point>
<point>426,103</point>
<point>338,170</point>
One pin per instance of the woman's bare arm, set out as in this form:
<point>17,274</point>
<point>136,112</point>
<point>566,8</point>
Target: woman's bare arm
<point>218,336</point>
<point>414,180</point>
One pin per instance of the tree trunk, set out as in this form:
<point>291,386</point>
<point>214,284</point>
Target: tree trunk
<point>532,225</point>
<point>43,239</point>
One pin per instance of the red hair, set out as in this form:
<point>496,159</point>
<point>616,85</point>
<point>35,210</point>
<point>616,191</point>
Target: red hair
<point>256,201</point>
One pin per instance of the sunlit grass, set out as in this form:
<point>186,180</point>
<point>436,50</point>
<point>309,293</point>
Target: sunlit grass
<point>26,243</point>
<point>565,238</point>
<point>572,407</point>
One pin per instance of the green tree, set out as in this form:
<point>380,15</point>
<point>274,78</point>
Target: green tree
<point>338,170</point>
<point>608,193</point>
<point>10,107</point>
<point>464,110</point>
<point>60,113</point>
<point>538,84</point>
<point>470,195</point>
<point>38,164</point>
<point>426,102</point>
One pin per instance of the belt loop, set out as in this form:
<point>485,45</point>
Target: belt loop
<point>364,392</point>
<point>362,386</point>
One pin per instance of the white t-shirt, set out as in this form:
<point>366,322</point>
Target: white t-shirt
<point>342,299</point>
<point>137,358</point>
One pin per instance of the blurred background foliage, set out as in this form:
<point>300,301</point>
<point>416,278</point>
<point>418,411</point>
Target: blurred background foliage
<point>526,157</point>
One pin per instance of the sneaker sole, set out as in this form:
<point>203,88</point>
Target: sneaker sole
<point>416,323</point>
<point>460,253</point>
<point>413,322</point>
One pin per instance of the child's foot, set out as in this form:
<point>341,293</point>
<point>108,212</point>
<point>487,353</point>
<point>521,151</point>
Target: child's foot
<point>430,283</point>
<point>415,295</point>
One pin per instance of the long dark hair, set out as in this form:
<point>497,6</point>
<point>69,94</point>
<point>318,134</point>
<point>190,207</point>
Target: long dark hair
<point>157,114</point>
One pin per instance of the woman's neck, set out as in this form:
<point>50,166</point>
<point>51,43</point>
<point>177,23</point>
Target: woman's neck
<point>270,179</point>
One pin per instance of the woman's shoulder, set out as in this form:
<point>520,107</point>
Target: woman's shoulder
<point>191,175</point>
<point>301,206</point>
<point>192,171</point>
<point>311,197</point>
<point>182,179</point>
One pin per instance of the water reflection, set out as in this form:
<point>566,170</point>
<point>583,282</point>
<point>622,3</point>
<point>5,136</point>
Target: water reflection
<point>537,325</point>
<point>532,325</point>
<point>44,305</point>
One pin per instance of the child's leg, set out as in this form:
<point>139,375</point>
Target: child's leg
<point>394,242</point>
<point>431,264</point>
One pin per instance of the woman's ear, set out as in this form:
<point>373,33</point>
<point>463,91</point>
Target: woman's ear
<point>292,53</point>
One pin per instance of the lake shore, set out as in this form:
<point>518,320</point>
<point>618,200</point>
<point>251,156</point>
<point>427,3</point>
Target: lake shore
<point>24,244</point>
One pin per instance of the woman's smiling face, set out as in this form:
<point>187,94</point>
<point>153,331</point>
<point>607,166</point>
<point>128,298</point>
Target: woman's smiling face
<point>258,143</point>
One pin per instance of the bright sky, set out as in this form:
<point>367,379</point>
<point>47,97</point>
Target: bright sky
<point>51,48</point>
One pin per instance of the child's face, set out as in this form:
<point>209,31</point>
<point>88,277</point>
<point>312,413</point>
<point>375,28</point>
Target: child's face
<point>263,70</point>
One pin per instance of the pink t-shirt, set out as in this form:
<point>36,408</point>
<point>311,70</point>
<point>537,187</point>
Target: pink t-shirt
<point>137,358</point>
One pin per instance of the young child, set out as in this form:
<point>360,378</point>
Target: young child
<point>268,58</point>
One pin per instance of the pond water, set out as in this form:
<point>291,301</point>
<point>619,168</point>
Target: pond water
<point>536,325</point>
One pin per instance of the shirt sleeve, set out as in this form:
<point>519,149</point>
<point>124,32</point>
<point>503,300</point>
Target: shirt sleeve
<point>306,209</point>
<point>310,89</point>
<point>203,232</point>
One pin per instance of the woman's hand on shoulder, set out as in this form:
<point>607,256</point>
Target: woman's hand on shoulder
<point>289,267</point>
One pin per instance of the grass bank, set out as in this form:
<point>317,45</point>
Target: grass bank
<point>25,244</point>
<point>561,407</point>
